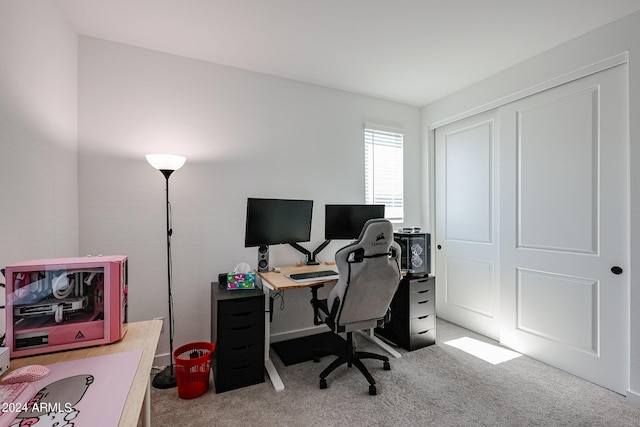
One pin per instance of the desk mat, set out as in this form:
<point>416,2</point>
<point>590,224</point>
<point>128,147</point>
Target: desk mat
<point>302,349</point>
<point>86,392</point>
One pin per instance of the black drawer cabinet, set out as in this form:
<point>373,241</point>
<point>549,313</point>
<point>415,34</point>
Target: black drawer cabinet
<point>237,330</point>
<point>413,314</point>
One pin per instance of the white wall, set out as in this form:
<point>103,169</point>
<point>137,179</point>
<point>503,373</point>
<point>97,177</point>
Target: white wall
<point>599,45</point>
<point>240,131</point>
<point>244,135</point>
<point>38,133</point>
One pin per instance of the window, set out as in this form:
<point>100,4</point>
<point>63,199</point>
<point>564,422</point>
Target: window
<point>383,171</point>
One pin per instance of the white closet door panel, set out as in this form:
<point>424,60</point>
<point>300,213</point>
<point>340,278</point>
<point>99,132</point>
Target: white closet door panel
<point>468,174</point>
<point>557,146</point>
<point>541,292</point>
<point>466,224</point>
<point>469,285</point>
<point>565,224</point>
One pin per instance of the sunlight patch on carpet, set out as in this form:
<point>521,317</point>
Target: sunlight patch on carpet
<point>482,350</point>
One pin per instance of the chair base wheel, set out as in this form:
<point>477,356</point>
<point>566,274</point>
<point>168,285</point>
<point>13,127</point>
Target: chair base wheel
<point>372,390</point>
<point>387,366</point>
<point>323,383</point>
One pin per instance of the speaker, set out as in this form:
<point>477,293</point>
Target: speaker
<point>263,258</point>
<point>416,253</point>
<point>222,280</point>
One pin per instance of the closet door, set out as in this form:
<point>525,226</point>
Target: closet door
<point>467,231</point>
<point>565,227</point>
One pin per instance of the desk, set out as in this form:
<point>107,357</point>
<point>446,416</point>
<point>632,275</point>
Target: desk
<point>139,336</point>
<point>272,281</point>
<point>279,281</point>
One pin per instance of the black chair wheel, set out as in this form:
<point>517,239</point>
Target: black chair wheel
<point>387,366</point>
<point>323,383</point>
<point>372,390</point>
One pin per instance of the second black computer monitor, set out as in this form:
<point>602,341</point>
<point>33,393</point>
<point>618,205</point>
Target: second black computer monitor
<point>344,222</point>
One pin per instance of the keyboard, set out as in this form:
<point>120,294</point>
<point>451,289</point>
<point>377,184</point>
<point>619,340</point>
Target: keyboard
<point>9,392</point>
<point>13,400</point>
<point>313,276</point>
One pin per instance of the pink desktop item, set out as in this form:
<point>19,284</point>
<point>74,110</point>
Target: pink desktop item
<point>26,374</point>
<point>65,303</point>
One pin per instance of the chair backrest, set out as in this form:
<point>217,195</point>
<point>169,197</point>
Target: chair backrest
<point>369,272</point>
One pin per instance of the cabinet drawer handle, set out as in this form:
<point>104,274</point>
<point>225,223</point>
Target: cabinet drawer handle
<point>423,302</point>
<point>246,313</point>
<point>242,347</point>
<point>424,292</point>
<point>423,332</point>
<point>424,317</point>
<point>239,368</point>
<point>239,301</point>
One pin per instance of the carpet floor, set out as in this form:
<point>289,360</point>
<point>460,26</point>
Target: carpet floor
<point>438,385</point>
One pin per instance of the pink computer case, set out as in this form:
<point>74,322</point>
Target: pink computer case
<point>65,303</point>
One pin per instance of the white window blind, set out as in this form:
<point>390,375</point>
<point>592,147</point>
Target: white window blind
<point>383,171</point>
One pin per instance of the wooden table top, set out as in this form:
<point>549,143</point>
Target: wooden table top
<point>139,336</point>
<point>279,281</point>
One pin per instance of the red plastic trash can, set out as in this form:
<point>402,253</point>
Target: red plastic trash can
<point>193,364</point>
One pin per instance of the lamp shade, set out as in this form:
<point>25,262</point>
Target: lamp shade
<point>170,162</point>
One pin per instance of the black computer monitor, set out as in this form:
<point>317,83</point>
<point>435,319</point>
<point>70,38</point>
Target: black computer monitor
<point>276,221</point>
<point>346,221</point>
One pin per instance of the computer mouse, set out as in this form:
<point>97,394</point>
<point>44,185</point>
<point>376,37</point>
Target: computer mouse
<point>26,374</point>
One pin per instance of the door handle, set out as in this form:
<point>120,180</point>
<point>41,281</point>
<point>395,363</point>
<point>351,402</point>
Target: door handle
<point>439,246</point>
<point>616,270</point>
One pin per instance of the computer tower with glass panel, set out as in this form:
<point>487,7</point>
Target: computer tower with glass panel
<point>65,303</point>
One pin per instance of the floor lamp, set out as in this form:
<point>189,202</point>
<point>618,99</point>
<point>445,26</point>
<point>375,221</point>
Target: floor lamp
<point>167,164</point>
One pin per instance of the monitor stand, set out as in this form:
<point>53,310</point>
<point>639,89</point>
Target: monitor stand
<point>320,248</point>
<point>311,258</point>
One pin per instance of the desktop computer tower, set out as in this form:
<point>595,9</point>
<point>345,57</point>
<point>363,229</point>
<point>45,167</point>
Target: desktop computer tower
<point>416,253</point>
<point>65,303</point>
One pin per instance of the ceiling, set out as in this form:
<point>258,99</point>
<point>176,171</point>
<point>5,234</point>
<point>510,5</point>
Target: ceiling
<point>410,51</point>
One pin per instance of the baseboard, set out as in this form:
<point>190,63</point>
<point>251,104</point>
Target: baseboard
<point>299,333</point>
<point>633,398</point>
<point>161,359</point>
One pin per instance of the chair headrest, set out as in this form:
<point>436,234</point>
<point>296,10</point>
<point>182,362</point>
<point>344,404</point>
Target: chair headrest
<point>376,236</point>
